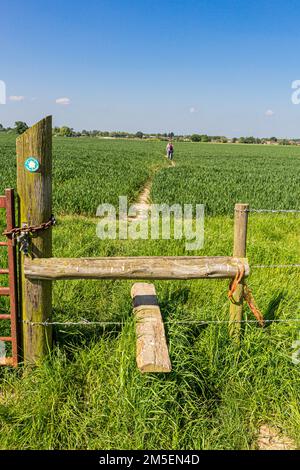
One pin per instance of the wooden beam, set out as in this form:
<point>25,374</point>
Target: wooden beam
<point>152,353</point>
<point>239,249</point>
<point>156,267</point>
<point>35,200</point>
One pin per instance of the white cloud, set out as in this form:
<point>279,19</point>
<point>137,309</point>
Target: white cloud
<point>63,101</point>
<point>16,98</point>
<point>269,113</point>
<point>193,110</point>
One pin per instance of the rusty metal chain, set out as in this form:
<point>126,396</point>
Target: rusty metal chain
<point>31,228</point>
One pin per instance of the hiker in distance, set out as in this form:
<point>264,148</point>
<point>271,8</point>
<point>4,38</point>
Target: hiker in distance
<point>170,150</point>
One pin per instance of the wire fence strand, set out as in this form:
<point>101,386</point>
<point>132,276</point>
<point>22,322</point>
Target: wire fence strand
<point>275,266</point>
<point>188,321</point>
<point>274,211</point>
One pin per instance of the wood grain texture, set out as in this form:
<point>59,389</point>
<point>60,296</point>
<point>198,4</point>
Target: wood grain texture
<point>239,249</point>
<point>35,207</point>
<point>152,353</point>
<point>156,267</point>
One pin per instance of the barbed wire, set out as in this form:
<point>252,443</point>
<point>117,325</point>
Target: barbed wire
<point>70,323</point>
<point>274,210</point>
<point>274,266</point>
<point>202,322</point>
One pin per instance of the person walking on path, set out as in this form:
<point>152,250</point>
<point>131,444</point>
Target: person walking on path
<point>170,150</point>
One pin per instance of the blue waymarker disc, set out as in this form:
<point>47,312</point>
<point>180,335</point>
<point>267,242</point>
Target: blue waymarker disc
<point>32,164</point>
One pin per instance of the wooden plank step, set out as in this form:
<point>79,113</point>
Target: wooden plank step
<point>152,353</point>
<point>6,338</point>
<point>3,244</point>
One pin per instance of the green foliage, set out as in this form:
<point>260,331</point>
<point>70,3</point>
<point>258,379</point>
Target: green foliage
<point>196,138</point>
<point>66,131</point>
<point>20,127</point>
<point>139,135</point>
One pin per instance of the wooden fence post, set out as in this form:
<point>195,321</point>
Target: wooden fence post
<point>239,250</point>
<point>34,186</point>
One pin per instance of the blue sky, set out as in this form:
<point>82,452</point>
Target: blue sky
<point>216,67</point>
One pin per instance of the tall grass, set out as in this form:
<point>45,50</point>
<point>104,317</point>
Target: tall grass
<point>89,393</point>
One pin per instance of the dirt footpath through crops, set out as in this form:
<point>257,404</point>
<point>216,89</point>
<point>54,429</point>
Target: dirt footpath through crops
<point>142,205</point>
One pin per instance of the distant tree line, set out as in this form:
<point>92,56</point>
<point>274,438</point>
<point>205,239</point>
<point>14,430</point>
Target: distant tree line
<point>19,128</point>
<point>66,131</point>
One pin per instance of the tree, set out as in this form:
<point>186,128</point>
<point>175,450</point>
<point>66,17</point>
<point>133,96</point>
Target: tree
<point>171,135</point>
<point>1,128</point>
<point>205,138</point>
<point>66,131</point>
<point>20,127</point>
<point>247,140</point>
<point>139,135</point>
<point>196,138</point>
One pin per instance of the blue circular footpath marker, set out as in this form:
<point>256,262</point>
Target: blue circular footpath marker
<point>32,164</point>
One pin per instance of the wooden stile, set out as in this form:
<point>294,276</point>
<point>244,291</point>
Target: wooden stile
<point>38,270</point>
<point>151,346</point>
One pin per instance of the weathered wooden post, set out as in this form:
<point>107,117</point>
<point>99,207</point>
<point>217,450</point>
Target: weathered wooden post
<point>239,250</point>
<point>34,187</point>
<point>152,353</point>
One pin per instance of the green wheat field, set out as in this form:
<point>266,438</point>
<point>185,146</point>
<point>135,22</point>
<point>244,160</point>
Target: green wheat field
<point>89,393</point>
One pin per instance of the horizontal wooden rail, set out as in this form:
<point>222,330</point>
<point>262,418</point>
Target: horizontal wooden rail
<point>152,267</point>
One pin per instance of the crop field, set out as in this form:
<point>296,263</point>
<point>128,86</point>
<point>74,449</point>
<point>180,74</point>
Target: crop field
<point>89,393</point>
<point>89,171</point>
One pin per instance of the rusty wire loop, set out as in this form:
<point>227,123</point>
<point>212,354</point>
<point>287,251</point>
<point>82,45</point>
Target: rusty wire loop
<point>246,294</point>
<point>31,228</point>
